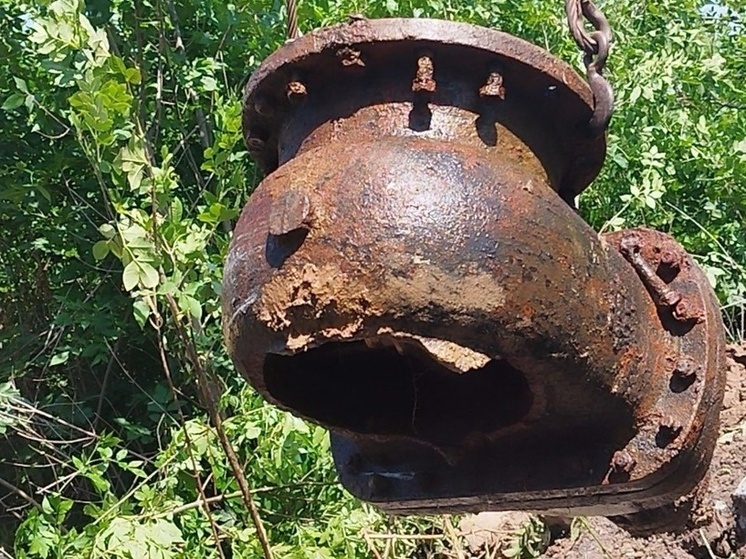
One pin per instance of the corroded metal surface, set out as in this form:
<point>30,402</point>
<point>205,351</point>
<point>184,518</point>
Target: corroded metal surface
<point>370,65</point>
<point>409,277</point>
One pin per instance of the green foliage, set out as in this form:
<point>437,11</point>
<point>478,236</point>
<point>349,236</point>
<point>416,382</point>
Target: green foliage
<point>122,168</point>
<point>530,541</point>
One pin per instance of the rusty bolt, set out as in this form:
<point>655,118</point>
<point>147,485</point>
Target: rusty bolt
<point>350,57</point>
<point>622,462</point>
<point>423,81</point>
<point>686,310</point>
<point>670,423</point>
<point>671,258</point>
<point>296,91</point>
<point>664,296</point>
<point>494,86</point>
<point>685,368</point>
<point>684,375</point>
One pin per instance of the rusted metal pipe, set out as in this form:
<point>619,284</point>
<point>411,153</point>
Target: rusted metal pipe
<point>410,275</point>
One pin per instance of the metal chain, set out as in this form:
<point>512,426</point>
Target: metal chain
<point>292,8</point>
<point>596,47</point>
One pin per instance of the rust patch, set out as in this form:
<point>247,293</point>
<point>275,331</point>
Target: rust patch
<point>494,86</point>
<point>455,357</point>
<point>423,81</point>
<point>290,212</point>
<point>297,302</point>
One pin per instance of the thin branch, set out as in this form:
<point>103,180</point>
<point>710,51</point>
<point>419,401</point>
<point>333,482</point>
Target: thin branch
<point>371,546</point>
<point>105,382</point>
<point>406,536</point>
<point>20,492</point>
<point>200,488</point>
<point>28,408</point>
<point>204,125</point>
<point>234,495</point>
<point>217,421</point>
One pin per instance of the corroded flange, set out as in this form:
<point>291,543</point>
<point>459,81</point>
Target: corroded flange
<point>314,88</point>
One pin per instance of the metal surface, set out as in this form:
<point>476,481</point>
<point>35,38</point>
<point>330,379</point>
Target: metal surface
<point>358,80</point>
<point>410,276</point>
<point>596,47</point>
<point>292,13</point>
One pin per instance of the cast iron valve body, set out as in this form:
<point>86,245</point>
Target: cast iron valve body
<point>411,276</point>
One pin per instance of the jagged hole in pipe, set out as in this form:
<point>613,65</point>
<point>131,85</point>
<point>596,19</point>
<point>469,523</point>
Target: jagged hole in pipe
<point>397,391</point>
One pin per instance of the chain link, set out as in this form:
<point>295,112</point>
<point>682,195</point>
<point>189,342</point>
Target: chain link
<point>596,46</point>
<point>292,9</point>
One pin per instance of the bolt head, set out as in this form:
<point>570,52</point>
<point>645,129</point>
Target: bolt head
<point>685,368</point>
<point>296,90</point>
<point>622,461</point>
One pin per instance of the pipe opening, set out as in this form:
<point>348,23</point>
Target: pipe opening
<point>398,390</point>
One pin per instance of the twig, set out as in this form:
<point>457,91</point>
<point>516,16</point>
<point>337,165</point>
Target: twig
<point>105,382</point>
<point>191,351</point>
<point>592,532</point>
<point>20,492</point>
<point>205,130</point>
<point>453,534</point>
<point>371,547</point>
<point>200,488</point>
<point>708,547</point>
<point>217,421</point>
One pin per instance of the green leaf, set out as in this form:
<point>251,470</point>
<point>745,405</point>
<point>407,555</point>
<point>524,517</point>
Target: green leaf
<point>44,192</point>
<point>141,310</point>
<point>251,431</point>
<point>209,83</point>
<point>130,276</point>
<point>148,275</point>
<point>39,547</point>
<point>59,358</point>
<point>108,230</point>
<point>21,84</point>
<point>132,75</point>
<point>14,101</point>
<point>195,309</point>
<point>100,250</point>
<point>46,506</point>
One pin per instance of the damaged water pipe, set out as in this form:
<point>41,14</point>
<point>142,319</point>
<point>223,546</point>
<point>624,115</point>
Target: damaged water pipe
<point>412,275</point>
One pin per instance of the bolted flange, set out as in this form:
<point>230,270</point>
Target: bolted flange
<point>410,276</point>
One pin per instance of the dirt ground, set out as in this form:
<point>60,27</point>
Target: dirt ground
<point>712,535</point>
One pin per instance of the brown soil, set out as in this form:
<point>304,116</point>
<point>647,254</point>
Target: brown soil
<point>712,533</point>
